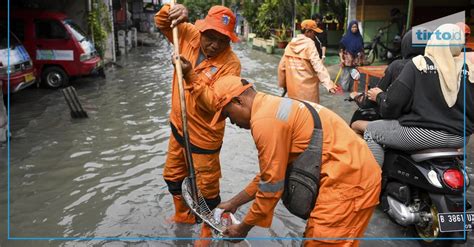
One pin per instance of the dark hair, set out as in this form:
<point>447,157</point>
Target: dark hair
<point>317,16</point>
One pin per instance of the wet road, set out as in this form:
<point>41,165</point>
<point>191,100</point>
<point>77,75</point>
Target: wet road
<point>102,176</point>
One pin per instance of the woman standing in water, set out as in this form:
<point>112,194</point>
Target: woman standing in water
<point>351,53</point>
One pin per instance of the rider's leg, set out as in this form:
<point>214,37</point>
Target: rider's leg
<point>359,126</point>
<point>391,134</point>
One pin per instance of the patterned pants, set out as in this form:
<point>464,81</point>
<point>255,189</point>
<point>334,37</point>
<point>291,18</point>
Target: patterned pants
<point>390,134</point>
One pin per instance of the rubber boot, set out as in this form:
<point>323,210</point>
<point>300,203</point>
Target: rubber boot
<point>182,212</point>
<point>206,232</point>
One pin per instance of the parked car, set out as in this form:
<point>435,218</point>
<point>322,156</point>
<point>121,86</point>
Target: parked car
<point>58,46</point>
<point>22,72</point>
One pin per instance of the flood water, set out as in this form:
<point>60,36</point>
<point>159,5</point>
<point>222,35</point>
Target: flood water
<point>101,177</point>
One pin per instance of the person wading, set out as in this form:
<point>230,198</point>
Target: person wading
<point>301,70</point>
<point>303,136</point>
<point>206,56</point>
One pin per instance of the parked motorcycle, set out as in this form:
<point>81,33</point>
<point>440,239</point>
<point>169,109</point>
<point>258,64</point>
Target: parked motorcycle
<point>377,49</point>
<point>424,190</point>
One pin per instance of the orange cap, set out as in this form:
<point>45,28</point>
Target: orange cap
<point>221,19</point>
<point>311,25</point>
<point>226,88</point>
<point>465,27</point>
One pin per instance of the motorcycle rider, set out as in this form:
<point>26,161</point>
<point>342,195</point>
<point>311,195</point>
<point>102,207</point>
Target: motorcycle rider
<point>368,108</point>
<point>424,107</point>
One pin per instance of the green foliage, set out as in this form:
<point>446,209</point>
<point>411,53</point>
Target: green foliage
<point>282,34</point>
<point>250,11</point>
<point>197,9</point>
<point>99,24</point>
<point>267,16</point>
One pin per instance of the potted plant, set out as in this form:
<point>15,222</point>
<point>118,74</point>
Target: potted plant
<point>281,37</point>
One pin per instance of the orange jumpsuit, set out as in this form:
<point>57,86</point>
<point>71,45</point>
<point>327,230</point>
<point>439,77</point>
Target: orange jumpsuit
<point>301,70</point>
<point>206,140</point>
<point>350,177</point>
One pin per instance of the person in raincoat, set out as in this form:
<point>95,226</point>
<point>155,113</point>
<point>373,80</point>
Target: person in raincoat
<point>301,69</point>
<point>349,179</point>
<point>206,56</point>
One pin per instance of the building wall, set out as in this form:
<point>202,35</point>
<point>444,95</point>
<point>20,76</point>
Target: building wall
<point>375,13</point>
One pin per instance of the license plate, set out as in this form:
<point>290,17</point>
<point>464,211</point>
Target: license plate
<point>456,221</point>
<point>29,77</point>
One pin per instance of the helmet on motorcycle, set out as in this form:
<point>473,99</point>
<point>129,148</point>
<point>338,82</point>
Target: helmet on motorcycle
<point>397,39</point>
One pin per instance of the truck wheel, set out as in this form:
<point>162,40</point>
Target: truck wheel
<point>54,77</point>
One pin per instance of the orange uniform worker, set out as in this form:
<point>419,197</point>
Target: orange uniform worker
<point>350,178</point>
<point>467,35</point>
<point>206,55</point>
<point>301,70</point>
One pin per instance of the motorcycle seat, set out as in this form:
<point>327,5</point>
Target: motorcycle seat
<point>427,154</point>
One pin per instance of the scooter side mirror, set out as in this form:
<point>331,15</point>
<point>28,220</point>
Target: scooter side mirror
<point>355,74</point>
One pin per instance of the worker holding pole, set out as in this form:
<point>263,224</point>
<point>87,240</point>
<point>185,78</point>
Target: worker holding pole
<point>206,56</point>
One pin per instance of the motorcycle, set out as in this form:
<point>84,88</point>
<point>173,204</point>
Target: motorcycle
<point>424,191</point>
<point>385,53</point>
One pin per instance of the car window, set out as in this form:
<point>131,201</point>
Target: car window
<point>4,39</point>
<point>17,26</point>
<point>76,30</point>
<point>50,29</point>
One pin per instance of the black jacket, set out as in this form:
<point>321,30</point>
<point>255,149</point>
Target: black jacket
<point>320,42</point>
<point>416,100</point>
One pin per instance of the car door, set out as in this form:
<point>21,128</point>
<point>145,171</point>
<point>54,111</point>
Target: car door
<point>53,44</point>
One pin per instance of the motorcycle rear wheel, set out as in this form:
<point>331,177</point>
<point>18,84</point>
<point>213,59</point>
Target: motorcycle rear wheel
<point>430,229</point>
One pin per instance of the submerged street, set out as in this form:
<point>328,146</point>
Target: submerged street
<point>101,177</point>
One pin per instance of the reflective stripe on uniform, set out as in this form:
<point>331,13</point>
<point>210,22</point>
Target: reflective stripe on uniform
<point>284,109</point>
<point>269,187</point>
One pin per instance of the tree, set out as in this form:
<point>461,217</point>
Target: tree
<point>198,8</point>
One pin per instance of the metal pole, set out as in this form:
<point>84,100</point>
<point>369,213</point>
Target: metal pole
<point>187,146</point>
<point>409,15</point>
<point>294,19</point>
<point>111,14</point>
<point>223,2</point>
<point>89,8</point>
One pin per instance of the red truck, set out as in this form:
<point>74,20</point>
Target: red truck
<point>58,46</point>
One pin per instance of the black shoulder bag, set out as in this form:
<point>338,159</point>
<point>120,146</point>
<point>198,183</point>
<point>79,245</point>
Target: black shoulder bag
<point>302,176</point>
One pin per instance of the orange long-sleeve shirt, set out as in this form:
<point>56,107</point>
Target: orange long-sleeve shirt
<point>199,95</point>
<point>348,170</point>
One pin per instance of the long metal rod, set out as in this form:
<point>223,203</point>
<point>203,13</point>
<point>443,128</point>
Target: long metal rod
<point>187,147</point>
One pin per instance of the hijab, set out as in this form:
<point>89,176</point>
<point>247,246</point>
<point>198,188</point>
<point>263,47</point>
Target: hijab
<point>353,42</point>
<point>449,64</point>
<point>408,50</point>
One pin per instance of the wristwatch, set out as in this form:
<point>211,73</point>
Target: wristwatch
<point>323,56</point>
